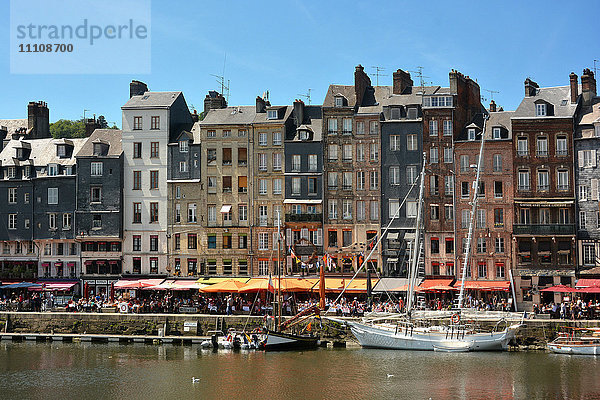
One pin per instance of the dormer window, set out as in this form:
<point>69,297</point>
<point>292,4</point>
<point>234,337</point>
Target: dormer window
<point>27,172</point>
<point>61,151</point>
<point>97,149</point>
<point>597,130</point>
<point>339,101</point>
<point>395,113</point>
<point>412,113</point>
<point>183,146</point>
<point>20,153</point>
<point>272,114</point>
<point>496,133</point>
<point>12,172</point>
<point>471,133</point>
<point>303,135</point>
<point>68,170</point>
<point>540,110</point>
<point>52,169</point>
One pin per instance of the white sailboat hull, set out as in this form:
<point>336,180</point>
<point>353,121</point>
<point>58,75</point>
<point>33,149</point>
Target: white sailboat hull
<point>387,337</point>
<point>588,350</point>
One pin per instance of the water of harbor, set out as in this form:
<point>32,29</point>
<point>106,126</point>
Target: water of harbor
<point>112,371</point>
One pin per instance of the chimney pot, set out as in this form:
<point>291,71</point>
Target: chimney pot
<point>574,87</point>
<point>530,88</point>
<point>492,106</point>
<point>588,86</point>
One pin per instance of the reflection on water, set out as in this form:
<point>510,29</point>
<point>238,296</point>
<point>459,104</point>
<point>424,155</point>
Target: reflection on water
<point>113,371</point>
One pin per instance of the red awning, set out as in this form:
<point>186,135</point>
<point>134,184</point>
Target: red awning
<point>435,285</point>
<point>485,285</point>
<point>54,286</point>
<point>113,262</point>
<point>45,264</point>
<point>587,282</point>
<point>137,283</point>
<point>560,289</point>
<point>88,263</point>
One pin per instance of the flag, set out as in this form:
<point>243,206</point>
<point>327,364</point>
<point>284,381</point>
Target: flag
<point>271,287</point>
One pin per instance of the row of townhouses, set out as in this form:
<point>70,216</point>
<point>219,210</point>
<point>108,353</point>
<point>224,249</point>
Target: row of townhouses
<point>175,193</point>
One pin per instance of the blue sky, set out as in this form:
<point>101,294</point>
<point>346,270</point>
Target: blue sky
<point>287,47</point>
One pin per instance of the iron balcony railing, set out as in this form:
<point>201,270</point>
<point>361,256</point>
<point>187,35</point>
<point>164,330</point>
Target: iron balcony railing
<point>539,229</point>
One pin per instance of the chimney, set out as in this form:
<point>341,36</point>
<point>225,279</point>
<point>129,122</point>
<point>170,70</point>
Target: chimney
<point>38,120</point>
<point>299,112</point>
<point>91,124</point>
<point>530,88</point>
<point>402,80</point>
<point>574,87</point>
<point>588,86</point>
<point>261,105</point>
<point>137,88</point>
<point>492,106</point>
<point>361,83</point>
<point>214,100</point>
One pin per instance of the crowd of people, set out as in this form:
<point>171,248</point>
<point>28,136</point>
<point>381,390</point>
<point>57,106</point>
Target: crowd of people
<point>572,309</point>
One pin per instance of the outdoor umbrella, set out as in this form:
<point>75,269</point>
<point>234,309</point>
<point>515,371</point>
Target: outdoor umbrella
<point>20,285</point>
<point>560,289</point>
<point>259,285</point>
<point>228,286</point>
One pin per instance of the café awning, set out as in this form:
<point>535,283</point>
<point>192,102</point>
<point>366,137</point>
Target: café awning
<point>227,286</point>
<point>390,284</point>
<point>336,285</point>
<point>559,289</point>
<point>137,283</point>
<point>213,280</point>
<point>435,285</point>
<point>587,282</point>
<point>54,286</point>
<point>503,286</point>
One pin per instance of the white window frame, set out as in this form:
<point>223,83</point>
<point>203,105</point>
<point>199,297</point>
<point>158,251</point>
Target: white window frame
<point>52,195</point>
<point>184,146</point>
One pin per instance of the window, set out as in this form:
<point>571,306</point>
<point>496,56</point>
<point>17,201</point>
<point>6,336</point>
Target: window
<point>262,186</point>
<point>499,245</point>
<point>12,221</point>
<point>582,220</point>
<point>312,162</point>
<point>360,180</point>
<point>360,152</point>
<point>346,238</point>
<point>212,213</point>
<point>540,110</point>
<point>332,126</point>
<point>296,186</point>
<point>496,133</point>
<point>137,180</point>
<point>211,133</point>
<point>211,241</point>
<point>587,158</point>
<point>447,127</point>
<point>211,184</point>
<point>411,174</point>
<point>339,101</point>
<point>347,209</point>
<point>52,221</point>
<point>434,212</point>
<point>411,113</point>
<point>471,133</point>
<point>296,162</point>
<point>276,161</point>
<point>374,152</point>
<point>589,254</point>
<point>464,163</point>
<point>393,208</point>
<point>192,213</point>
<point>449,246</point>
<point>312,185</point>
<point>183,166</point>
<point>153,265</point>
<point>433,128</point>
<point>374,181</point>
<point>52,195</point>
<point>373,128</point>
<point>449,212</point>
<point>153,212</point>
<point>153,149</point>
<point>263,241</point>
<point>137,213</point>
<point>155,122</point>
<point>482,269</point>
<point>262,139</point>
<point>96,194</point>
<point>449,185</point>
<point>184,146</point>
<point>448,156</point>
<point>522,147</point>
<point>561,146</point>
<point>226,159</point>
<point>192,241</point>
<point>333,152</point>
<point>481,245</point>
<point>361,211</point>
<point>563,179</point>
<point>544,216</point>
<point>153,242</point>
<point>433,155</point>
<point>277,185</point>
<point>524,216</point>
<point>263,215</point>
<point>374,209</point>
<point>211,156</point>
<point>481,219</point>
<point>332,180</point>
<point>498,192</point>
<point>52,170</point>
<point>465,218</point>
<point>542,146</point>
<point>137,123</point>
<point>347,126</point>
<point>227,241</point>
<point>333,209</point>
<point>227,185</point>
<point>523,179</point>
<point>347,153</point>
<point>394,175</point>
<point>243,241</point>
<point>434,187</point>
<point>563,216</point>
<point>242,156</point>
<point>12,195</point>
<point>498,218</point>
<point>153,179</point>
<point>543,181</point>
<point>395,113</point>
<point>272,114</point>
<point>262,162</point>
<point>394,142</point>
<point>96,168</point>
<point>464,190</point>
<point>360,128</point>
<point>243,212</point>
<point>411,142</point>
<point>137,150</point>
<point>411,209</point>
<point>177,213</point>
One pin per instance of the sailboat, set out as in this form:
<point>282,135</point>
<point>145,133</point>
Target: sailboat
<point>278,338</point>
<point>407,333</point>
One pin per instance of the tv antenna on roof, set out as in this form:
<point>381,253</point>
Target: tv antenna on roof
<point>491,92</point>
<point>419,74</point>
<point>221,81</point>
<point>306,96</point>
<point>378,73</point>
<point>595,68</point>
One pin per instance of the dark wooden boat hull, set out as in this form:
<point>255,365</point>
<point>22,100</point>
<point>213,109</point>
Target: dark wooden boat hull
<point>279,341</point>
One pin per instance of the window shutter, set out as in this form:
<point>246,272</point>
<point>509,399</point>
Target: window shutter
<point>319,237</point>
<point>304,233</point>
<point>594,152</point>
<point>288,236</point>
<point>594,189</point>
<point>580,157</point>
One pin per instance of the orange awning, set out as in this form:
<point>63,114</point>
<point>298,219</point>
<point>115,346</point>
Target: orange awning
<point>228,286</point>
<point>435,285</point>
<point>257,285</point>
<point>336,285</point>
<point>485,285</point>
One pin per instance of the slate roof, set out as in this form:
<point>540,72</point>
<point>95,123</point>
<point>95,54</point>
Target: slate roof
<point>261,118</point>
<point>13,124</point>
<point>152,100</point>
<point>43,152</point>
<point>552,95</point>
<point>110,136</point>
<point>313,121</point>
<point>240,115</point>
<point>498,119</point>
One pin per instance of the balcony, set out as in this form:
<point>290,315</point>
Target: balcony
<point>550,229</point>
<point>304,217</point>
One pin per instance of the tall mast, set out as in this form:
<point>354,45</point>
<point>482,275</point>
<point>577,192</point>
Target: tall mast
<point>473,210</point>
<point>278,269</point>
<point>412,274</point>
